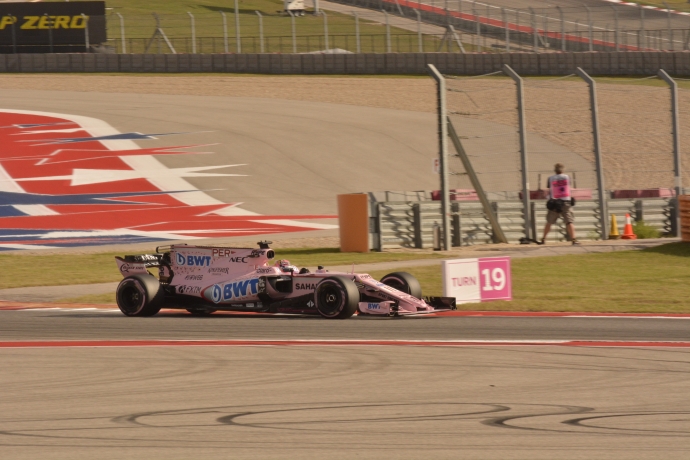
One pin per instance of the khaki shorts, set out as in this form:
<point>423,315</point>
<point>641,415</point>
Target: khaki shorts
<point>567,215</point>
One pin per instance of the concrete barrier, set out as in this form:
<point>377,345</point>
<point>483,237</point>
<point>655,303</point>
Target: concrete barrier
<point>595,63</point>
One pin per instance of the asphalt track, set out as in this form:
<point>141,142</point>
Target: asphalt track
<point>448,387</point>
<point>288,399</point>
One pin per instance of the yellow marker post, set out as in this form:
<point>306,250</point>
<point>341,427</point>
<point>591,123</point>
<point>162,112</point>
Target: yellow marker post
<point>614,235</point>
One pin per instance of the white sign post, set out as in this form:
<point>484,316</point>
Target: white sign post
<point>477,280</point>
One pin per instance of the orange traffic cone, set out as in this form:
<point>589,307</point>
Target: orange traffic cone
<point>628,233</point>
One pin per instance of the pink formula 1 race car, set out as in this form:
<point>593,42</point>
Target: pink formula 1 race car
<point>204,279</point>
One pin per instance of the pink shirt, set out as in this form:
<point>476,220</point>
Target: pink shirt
<point>559,187</point>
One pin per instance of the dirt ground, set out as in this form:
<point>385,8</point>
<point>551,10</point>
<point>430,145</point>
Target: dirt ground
<point>634,120</point>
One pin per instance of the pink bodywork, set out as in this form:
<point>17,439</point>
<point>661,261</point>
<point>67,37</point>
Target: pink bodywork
<point>234,275</point>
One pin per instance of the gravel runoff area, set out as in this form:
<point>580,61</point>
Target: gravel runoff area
<point>634,119</point>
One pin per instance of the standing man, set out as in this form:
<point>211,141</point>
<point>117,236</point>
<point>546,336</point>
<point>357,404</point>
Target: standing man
<point>559,203</point>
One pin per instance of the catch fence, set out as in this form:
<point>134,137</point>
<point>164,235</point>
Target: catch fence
<point>386,26</point>
<point>619,141</point>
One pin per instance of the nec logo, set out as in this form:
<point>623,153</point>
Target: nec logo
<point>192,261</point>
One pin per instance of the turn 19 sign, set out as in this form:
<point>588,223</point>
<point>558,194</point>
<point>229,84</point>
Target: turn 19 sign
<point>477,280</point>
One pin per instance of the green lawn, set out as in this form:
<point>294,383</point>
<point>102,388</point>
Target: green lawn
<point>309,30</point>
<point>655,280</point>
<point>20,270</point>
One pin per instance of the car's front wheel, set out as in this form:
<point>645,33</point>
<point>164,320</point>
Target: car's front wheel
<point>404,282</point>
<point>139,295</point>
<point>336,297</point>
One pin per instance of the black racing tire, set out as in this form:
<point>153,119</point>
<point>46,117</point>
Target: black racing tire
<point>139,295</point>
<point>404,282</point>
<point>336,297</point>
<point>201,311</point>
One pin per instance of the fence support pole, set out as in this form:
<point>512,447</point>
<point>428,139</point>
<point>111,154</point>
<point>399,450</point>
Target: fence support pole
<point>50,32</point>
<point>668,26</point>
<point>615,26</point>
<point>523,148</point>
<point>86,32</point>
<point>590,31</point>
<point>643,41</point>
<point>191,18</point>
<point>294,32</point>
<point>533,24</point>
<point>237,28</point>
<point>388,32</point>
<point>357,37</point>
<point>325,28</point>
<point>122,33</point>
<point>419,31</point>
<point>603,212</point>
<point>443,152</point>
<point>504,17</point>
<point>675,132</point>
<point>261,31</point>
<point>478,24</point>
<point>14,33</point>
<point>225,32</point>
<point>560,13</point>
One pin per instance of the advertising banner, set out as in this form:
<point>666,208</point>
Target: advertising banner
<point>477,280</point>
<point>45,27</point>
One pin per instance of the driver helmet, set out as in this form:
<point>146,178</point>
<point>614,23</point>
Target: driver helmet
<point>286,266</point>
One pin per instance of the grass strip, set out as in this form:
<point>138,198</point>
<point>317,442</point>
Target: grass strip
<point>653,280</point>
<point>20,270</point>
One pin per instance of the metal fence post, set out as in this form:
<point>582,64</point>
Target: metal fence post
<point>357,37</point>
<point>643,41</point>
<point>50,32</point>
<point>388,32</point>
<point>191,18</point>
<point>668,25</point>
<point>675,132</point>
<point>225,32</point>
<point>505,25</point>
<point>523,148</point>
<point>560,12</point>
<point>590,31</point>
<point>86,31</point>
<point>603,213</point>
<point>237,28</point>
<point>533,24</point>
<point>615,26</point>
<point>419,31</point>
<point>294,33</point>
<point>479,25</point>
<point>14,33</point>
<point>261,31</point>
<point>325,28</point>
<point>443,151</point>
<point>122,33</point>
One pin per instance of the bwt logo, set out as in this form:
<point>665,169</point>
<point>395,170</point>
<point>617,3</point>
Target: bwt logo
<point>373,306</point>
<point>236,290</point>
<point>192,261</point>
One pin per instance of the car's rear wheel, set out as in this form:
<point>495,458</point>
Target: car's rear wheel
<point>139,295</point>
<point>404,282</point>
<point>336,297</point>
<point>201,311</point>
